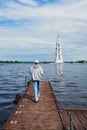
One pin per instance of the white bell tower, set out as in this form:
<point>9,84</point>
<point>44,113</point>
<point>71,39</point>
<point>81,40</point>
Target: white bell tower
<point>59,58</point>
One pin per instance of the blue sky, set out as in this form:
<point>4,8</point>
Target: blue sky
<point>29,28</point>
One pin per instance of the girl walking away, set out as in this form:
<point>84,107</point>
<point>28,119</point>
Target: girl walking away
<point>36,74</point>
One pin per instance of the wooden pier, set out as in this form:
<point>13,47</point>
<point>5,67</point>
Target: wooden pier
<point>45,114</point>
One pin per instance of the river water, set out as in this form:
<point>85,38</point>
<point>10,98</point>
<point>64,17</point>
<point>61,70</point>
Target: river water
<point>69,83</point>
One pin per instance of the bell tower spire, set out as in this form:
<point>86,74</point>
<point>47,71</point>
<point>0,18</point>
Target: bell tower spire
<point>59,58</point>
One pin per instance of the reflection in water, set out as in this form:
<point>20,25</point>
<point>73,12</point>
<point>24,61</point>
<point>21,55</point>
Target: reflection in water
<point>59,72</point>
<point>59,78</point>
<point>60,88</point>
<point>70,86</point>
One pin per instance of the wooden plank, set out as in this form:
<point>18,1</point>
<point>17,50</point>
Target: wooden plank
<point>82,119</point>
<point>65,119</point>
<point>76,123</point>
<point>84,112</point>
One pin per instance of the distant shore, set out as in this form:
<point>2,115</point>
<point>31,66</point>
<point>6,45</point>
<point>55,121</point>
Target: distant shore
<point>25,61</point>
<point>79,61</point>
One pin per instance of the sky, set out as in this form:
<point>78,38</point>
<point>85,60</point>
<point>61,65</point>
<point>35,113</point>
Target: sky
<point>29,29</point>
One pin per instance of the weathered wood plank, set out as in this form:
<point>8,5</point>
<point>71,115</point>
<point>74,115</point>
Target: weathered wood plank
<point>76,123</point>
<point>65,119</point>
<point>84,112</point>
<point>82,119</point>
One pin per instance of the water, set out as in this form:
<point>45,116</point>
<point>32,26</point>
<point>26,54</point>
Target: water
<point>69,83</point>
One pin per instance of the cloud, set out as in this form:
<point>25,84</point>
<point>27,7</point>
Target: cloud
<point>27,25</point>
<point>28,2</point>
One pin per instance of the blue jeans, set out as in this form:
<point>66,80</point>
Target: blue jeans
<point>36,85</point>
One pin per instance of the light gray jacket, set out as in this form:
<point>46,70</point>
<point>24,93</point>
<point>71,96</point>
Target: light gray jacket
<point>36,72</point>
